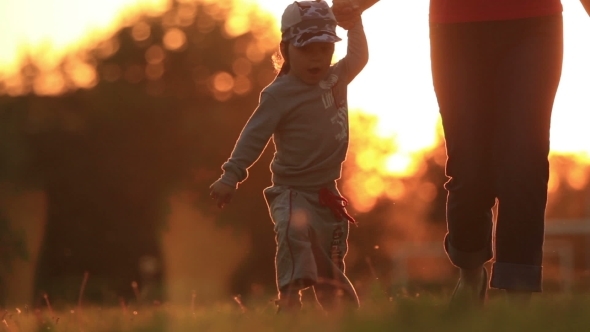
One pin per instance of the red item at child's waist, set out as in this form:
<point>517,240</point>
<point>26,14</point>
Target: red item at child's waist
<point>336,203</point>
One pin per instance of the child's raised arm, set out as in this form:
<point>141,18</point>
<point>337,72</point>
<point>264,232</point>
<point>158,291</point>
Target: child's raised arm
<point>357,54</point>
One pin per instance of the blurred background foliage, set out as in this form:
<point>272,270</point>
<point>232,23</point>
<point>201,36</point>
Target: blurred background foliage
<point>154,109</point>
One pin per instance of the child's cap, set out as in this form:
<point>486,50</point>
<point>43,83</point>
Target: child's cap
<point>305,22</point>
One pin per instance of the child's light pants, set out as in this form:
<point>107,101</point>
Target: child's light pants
<point>311,245</point>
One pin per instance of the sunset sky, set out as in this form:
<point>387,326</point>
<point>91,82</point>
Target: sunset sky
<point>396,84</point>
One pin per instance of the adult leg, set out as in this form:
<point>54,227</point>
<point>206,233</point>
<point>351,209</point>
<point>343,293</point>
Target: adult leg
<point>527,78</point>
<point>460,68</point>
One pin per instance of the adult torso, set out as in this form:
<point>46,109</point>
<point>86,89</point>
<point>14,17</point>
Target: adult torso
<point>456,11</point>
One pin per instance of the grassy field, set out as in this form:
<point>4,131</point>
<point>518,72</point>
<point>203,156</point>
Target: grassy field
<point>547,312</point>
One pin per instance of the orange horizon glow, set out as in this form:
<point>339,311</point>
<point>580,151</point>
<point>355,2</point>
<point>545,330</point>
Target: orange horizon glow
<point>395,88</point>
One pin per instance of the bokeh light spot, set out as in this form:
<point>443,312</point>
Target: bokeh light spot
<point>154,71</point>
<point>174,39</point>
<point>427,192</point>
<point>217,9</point>
<point>242,67</point>
<point>141,31</point>
<point>49,83</point>
<point>186,14</point>
<point>374,186</point>
<point>399,163</point>
<point>82,74</point>
<point>242,85</point>
<point>107,48</point>
<point>395,189</point>
<point>14,85</point>
<point>367,159</point>
<point>577,177</point>
<point>154,54</point>
<point>223,82</point>
<point>205,24</point>
<point>236,25</point>
<point>254,53</point>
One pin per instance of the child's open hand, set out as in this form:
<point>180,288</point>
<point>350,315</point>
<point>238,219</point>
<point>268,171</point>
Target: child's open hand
<point>347,13</point>
<point>222,193</point>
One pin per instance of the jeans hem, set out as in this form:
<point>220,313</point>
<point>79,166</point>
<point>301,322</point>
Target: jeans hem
<point>468,260</point>
<point>517,277</point>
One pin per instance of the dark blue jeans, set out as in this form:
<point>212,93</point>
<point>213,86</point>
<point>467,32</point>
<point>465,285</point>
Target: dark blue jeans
<point>495,83</point>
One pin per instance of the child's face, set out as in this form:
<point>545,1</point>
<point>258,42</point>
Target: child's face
<point>310,63</point>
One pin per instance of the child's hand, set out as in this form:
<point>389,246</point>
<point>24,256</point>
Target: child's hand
<point>346,12</point>
<point>222,193</point>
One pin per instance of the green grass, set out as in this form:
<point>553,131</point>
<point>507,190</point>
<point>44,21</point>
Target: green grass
<point>547,312</point>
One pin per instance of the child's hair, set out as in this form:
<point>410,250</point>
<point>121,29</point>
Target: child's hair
<point>280,59</point>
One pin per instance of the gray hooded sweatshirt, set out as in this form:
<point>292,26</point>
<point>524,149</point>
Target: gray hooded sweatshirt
<point>308,124</point>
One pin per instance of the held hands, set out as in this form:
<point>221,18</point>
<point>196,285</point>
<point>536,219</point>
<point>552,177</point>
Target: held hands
<point>222,193</point>
<point>347,13</point>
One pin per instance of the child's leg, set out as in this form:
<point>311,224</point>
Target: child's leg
<point>290,296</point>
<point>311,246</point>
<point>294,261</point>
<point>333,288</point>
<point>333,295</point>
<point>329,238</point>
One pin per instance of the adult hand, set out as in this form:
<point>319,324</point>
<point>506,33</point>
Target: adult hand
<point>347,13</point>
<point>222,193</point>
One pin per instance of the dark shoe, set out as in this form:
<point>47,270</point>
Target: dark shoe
<point>470,292</point>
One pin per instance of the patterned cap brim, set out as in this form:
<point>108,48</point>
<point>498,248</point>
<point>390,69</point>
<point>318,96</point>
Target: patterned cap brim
<point>314,37</point>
